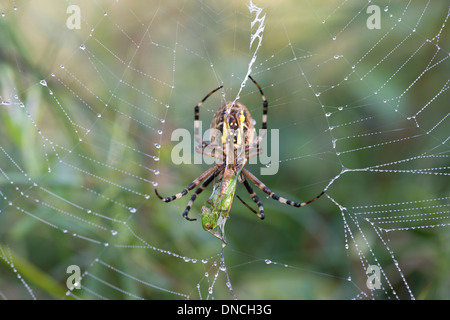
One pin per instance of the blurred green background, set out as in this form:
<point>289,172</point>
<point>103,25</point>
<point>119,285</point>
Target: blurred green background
<point>83,153</point>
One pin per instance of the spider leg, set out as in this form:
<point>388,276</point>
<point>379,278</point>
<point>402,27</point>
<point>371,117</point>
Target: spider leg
<point>197,119</point>
<point>254,198</point>
<point>264,116</point>
<point>254,153</point>
<point>211,150</point>
<point>193,184</point>
<point>201,149</point>
<point>196,193</point>
<point>265,189</point>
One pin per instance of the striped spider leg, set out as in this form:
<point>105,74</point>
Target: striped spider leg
<point>274,196</point>
<point>205,175</point>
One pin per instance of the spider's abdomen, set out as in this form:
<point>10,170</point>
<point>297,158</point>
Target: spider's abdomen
<point>234,118</point>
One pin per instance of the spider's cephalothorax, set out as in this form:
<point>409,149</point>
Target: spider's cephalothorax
<point>232,118</point>
<point>231,143</point>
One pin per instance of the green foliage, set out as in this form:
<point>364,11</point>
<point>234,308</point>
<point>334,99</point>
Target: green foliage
<point>79,164</point>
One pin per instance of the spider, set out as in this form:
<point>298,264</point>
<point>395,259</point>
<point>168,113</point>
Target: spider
<point>232,143</point>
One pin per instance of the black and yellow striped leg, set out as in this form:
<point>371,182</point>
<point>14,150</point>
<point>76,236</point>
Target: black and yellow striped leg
<point>255,199</point>
<point>197,119</point>
<point>196,193</point>
<point>264,116</point>
<point>265,189</point>
<point>194,183</point>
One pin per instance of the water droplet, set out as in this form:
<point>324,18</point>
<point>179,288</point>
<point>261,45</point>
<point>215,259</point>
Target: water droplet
<point>210,290</point>
<point>82,46</point>
<point>333,141</point>
<point>157,145</point>
<point>327,114</point>
<point>386,9</point>
<point>337,56</point>
<point>132,210</point>
<point>113,232</point>
<point>267,261</point>
<point>340,108</point>
<point>43,82</point>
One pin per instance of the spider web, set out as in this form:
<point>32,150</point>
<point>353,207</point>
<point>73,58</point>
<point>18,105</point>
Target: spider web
<point>86,119</point>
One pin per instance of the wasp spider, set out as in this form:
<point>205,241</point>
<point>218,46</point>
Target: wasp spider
<point>232,147</point>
